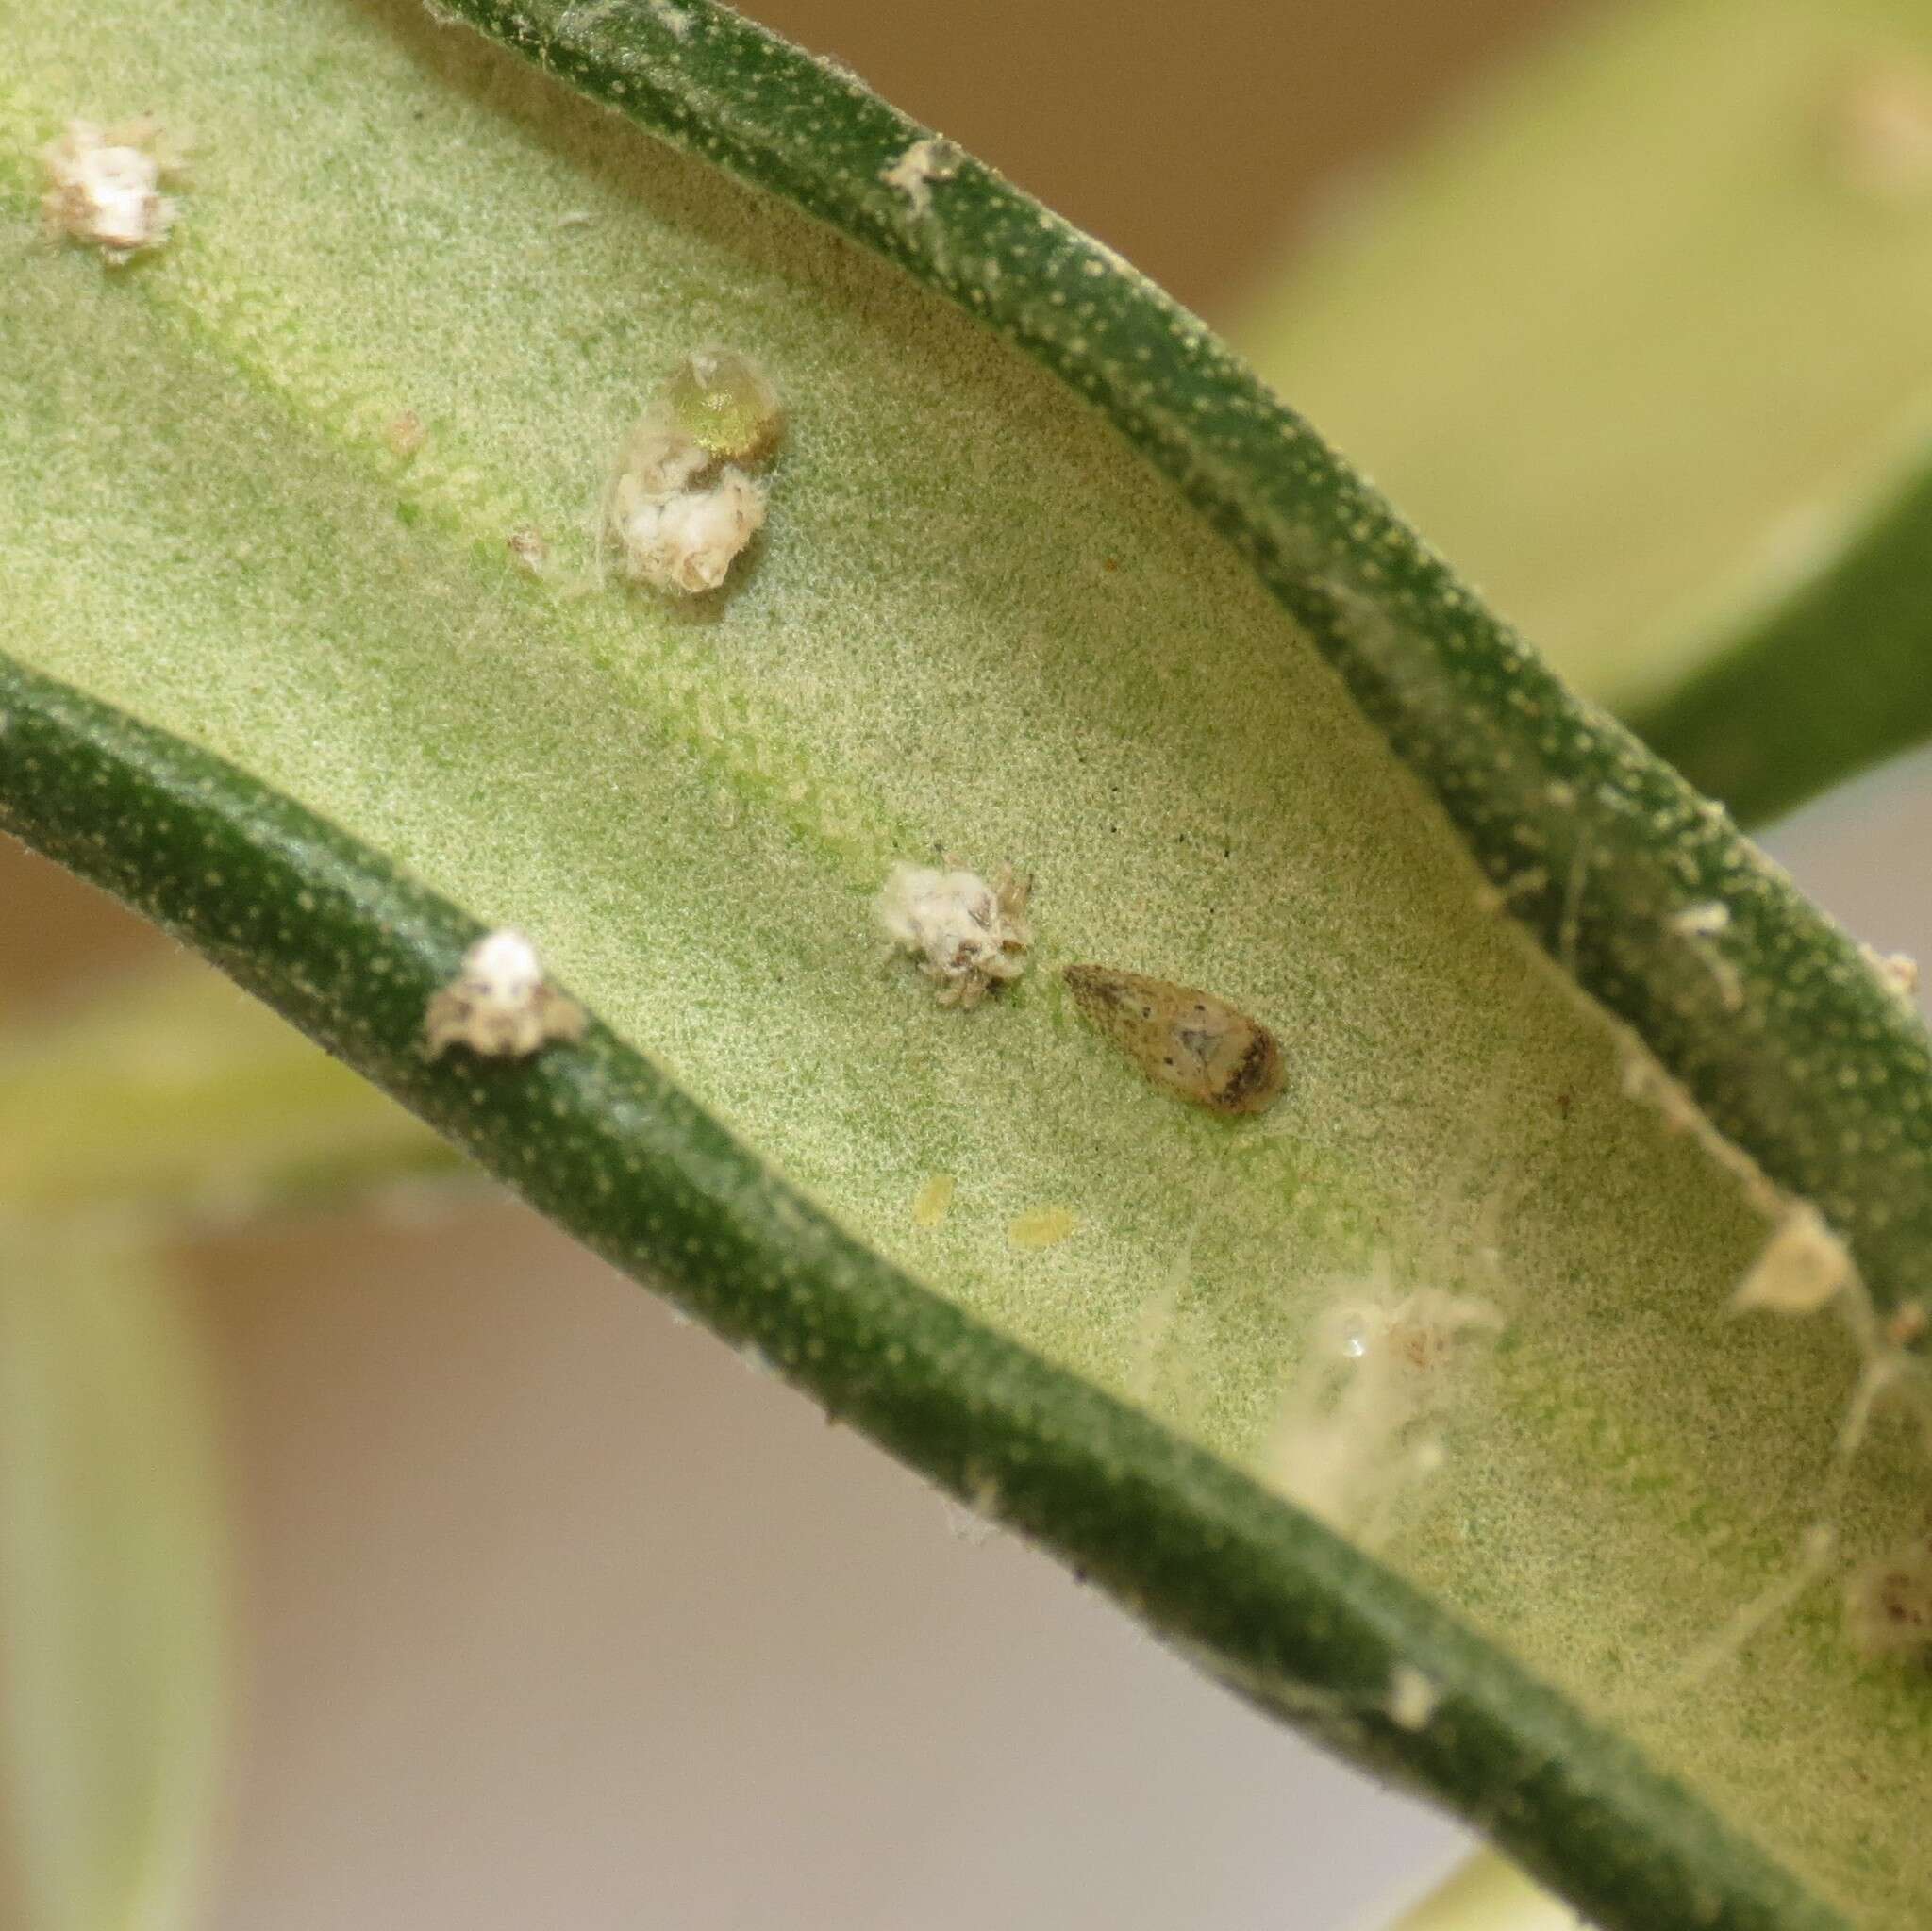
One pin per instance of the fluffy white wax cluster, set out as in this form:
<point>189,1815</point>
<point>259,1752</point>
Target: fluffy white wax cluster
<point>682,507</point>
<point>500,1005</point>
<point>969,933</point>
<point>104,186</point>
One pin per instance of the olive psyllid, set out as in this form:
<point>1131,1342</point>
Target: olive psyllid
<point>1194,1044</point>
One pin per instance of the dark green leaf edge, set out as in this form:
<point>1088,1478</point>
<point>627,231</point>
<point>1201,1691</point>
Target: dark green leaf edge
<point>1787,1041</point>
<point>1830,680</point>
<point>593,1136</point>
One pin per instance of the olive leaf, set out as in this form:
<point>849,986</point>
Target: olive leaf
<point>319,661</point>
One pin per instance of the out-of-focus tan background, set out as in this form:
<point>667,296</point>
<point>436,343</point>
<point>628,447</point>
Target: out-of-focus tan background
<point>1195,138</point>
<point>555,1614</point>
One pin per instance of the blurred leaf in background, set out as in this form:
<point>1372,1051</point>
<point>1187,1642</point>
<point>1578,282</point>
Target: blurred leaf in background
<point>114,1649</point>
<point>171,1098</point>
<point>1641,337</point>
<point>163,1102</point>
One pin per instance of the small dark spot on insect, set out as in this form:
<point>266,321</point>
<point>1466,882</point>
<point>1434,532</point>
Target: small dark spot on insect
<point>1564,1102</point>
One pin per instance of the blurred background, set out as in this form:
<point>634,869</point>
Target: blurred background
<point>549,1611</point>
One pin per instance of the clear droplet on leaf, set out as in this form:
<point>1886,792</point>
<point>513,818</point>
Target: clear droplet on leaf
<point>721,400</point>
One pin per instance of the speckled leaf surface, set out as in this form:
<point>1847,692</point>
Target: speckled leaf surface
<point>289,692</point>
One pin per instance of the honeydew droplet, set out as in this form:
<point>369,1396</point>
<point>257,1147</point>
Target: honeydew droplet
<point>721,400</point>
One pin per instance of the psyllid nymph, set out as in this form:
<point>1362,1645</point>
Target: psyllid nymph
<point>1191,1043</point>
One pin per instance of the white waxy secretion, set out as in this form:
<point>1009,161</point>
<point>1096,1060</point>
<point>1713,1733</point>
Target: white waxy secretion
<point>500,1005</point>
<point>1413,1699</point>
<point>1702,921</point>
<point>1359,1431</point>
<point>1802,1266</point>
<point>969,933</point>
<point>687,541</point>
<point>104,186</point>
<point>933,159</point>
<point>1897,972</point>
<point>681,507</point>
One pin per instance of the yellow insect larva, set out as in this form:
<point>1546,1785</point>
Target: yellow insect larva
<point>933,1200</point>
<point>1043,1227</point>
<point>1192,1044</point>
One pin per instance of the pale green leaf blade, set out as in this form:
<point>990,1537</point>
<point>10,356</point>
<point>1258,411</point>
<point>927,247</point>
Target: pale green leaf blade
<point>114,1647</point>
<point>169,1098</point>
<point>1638,337</point>
<point>1485,1893</point>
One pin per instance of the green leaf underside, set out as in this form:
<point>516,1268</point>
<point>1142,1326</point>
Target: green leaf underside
<point>976,622</point>
<point>1638,338</point>
<point>112,1587</point>
<point>1286,1613</point>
